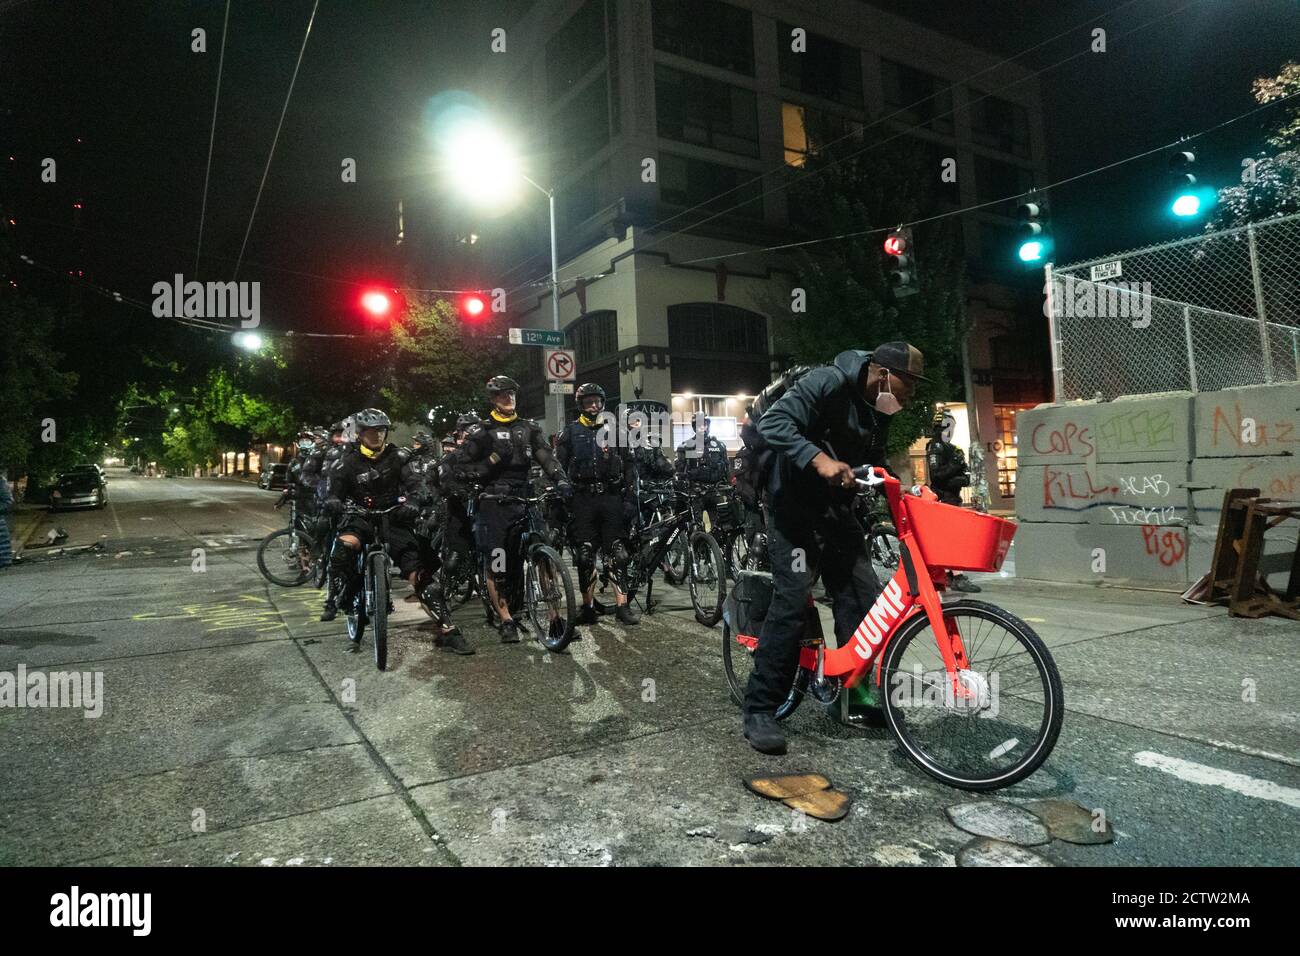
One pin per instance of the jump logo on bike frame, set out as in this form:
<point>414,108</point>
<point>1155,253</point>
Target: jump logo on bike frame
<point>884,614</point>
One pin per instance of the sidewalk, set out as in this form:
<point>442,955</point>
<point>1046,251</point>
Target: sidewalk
<point>23,522</point>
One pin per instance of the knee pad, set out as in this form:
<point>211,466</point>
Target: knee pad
<point>586,556</point>
<point>619,556</point>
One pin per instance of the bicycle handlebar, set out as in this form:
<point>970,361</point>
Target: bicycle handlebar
<point>536,500</point>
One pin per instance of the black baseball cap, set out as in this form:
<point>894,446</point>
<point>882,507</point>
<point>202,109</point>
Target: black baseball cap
<point>901,359</point>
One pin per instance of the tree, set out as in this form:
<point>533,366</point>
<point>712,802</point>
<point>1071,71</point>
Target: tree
<point>848,301</point>
<point>438,362</point>
<point>1270,182</point>
<point>30,377</point>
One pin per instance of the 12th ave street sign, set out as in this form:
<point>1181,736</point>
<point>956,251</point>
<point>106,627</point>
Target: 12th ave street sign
<point>544,337</point>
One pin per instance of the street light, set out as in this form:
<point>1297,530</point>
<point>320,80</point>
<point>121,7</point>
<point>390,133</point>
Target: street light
<point>486,168</point>
<point>250,341</point>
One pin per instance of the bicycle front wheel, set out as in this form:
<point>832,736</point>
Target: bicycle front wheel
<point>549,596</point>
<point>378,600</point>
<point>286,557</point>
<point>1000,723</point>
<point>707,577</point>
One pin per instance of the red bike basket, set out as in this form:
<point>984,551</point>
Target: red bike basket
<point>956,538</point>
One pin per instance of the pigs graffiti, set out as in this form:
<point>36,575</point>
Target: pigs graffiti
<point>1167,546</point>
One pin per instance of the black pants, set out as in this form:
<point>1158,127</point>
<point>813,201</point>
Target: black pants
<point>598,524</point>
<point>800,544</point>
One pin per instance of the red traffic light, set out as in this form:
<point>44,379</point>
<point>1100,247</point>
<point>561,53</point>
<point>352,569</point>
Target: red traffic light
<point>377,304</point>
<point>472,306</point>
<point>895,244</point>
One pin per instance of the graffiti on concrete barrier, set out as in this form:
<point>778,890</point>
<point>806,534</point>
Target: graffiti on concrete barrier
<point>1140,515</point>
<point>1167,546</point>
<point>1070,438</point>
<point>1267,434</point>
<point>1142,430</point>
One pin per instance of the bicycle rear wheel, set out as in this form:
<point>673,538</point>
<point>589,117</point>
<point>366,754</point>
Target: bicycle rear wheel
<point>738,663</point>
<point>378,601</point>
<point>1005,721</point>
<point>707,577</point>
<point>286,557</point>
<point>548,593</point>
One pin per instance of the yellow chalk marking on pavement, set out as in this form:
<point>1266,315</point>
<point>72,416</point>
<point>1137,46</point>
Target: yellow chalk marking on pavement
<point>226,615</point>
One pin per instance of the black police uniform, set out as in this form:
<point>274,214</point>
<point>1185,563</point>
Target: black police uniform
<point>642,464</point>
<point>946,470</point>
<point>596,471</point>
<point>823,411</point>
<point>710,468</point>
<point>499,455</point>
<point>374,483</point>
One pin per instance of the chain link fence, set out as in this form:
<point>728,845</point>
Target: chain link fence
<point>1200,314</point>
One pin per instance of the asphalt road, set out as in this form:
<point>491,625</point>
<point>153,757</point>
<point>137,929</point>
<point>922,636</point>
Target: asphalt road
<point>236,730</point>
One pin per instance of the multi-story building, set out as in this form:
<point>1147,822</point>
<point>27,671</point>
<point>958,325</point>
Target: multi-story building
<point>647,116</point>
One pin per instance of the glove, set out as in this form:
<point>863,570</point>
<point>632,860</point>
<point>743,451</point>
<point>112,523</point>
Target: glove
<point>565,488</point>
<point>332,507</point>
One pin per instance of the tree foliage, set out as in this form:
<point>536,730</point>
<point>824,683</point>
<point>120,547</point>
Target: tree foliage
<point>1270,184</point>
<point>848,301</point>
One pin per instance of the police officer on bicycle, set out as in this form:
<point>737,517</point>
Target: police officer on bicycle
<point>596,468</point>
<point>499,453</point>
<point>369,475</point>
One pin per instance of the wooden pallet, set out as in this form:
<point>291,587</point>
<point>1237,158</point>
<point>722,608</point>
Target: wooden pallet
<point>1234,577</point>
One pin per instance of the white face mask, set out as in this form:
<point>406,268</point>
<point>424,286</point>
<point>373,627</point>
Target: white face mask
<point>887,402</point>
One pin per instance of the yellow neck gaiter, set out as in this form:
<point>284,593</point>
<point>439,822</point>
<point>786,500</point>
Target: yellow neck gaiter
<point>589,422</point>
<point>497,416</point>
<point>368,452</point>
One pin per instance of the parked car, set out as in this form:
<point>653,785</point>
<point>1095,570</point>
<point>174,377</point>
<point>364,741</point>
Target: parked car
<point>274,478</point>
<point>80,488</point>
<point>89,466</point>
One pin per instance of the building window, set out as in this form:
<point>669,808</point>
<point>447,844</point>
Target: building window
<point>827,69</point>
<point>1004,418</point>
<point>806,130</point>
<point>999,124</point>
<point>695,109</point>
<point>694,182</point>
<point>917,98</point>
<point>581,127</point>
<point>706,30</point>
<point>995,179</point>
<point>595,336</point>
<point>576,48</point>
<point>716,327</point>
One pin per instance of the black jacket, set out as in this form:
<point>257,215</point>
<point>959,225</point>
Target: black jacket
<point>585,458</point>
<point>824,411</point>
<point>504,452</point>
<point>946,468</point>
<point>648,464</point>
<point>369,482</point>
<point>709,467</point>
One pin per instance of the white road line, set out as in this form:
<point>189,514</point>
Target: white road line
<point>1214,777</point>
<point>1252,752</point>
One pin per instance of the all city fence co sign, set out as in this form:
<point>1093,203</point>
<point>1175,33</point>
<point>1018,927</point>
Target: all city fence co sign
<point>544,337</point>
<point>561,365</point>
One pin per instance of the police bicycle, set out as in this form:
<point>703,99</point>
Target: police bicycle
<point>373,603</point>
<point>678,525</point>
<point>290,557</point>
<point>537,582</point>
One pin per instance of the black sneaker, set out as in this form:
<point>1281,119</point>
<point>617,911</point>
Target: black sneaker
<point>509,633</point>
<point>764,734</point>
<point>964,584</point>
<point>601,609</point>
<point>626,615</point>
<point>330,611</point>
<point>588,615</point>
<point>455,642</point>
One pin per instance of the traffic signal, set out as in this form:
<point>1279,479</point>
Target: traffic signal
<point>1035,239</point>
<point>900,267</point>
<point>472,307</point>
<point>380,307</point>
<point>1187,199</point>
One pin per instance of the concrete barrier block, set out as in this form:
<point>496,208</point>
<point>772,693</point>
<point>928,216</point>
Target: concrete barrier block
<point>1114,554</point>
<point>1144,428</point>
<point>1056,434</point>
<point>1255,420</point>
<point>1209,478</point>
<point>1125,493</point>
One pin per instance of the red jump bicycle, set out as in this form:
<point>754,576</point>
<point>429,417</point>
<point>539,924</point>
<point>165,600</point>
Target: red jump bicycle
<point>968,690</point>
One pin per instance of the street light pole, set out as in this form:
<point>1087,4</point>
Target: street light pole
<point>554,403</point>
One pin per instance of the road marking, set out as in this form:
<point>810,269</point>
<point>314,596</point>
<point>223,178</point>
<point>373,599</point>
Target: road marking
<point>1214,777</point>
<point>1252,752</point>
<point>113,511</point>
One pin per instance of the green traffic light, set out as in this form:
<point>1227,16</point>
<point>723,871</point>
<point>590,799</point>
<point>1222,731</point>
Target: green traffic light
<point>1032,251</point>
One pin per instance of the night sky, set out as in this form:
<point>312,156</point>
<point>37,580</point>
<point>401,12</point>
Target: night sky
<point>122,77</point>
